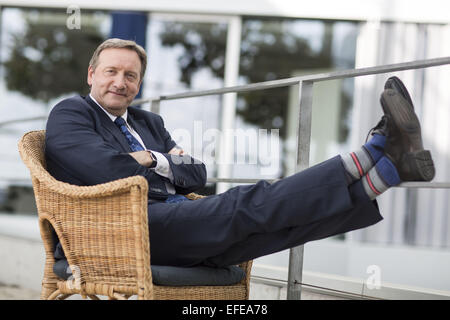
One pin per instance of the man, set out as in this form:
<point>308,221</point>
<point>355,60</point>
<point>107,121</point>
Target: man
<point>99,138</point>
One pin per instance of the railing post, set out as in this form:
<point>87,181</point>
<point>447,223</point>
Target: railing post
<point>154,107</point>
<point>305,94</point>
<point>228,112</point>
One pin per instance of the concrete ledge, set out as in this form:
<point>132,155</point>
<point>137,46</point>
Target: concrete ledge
<point>20,226</point>
<point>343,287</point>
<point>22,262</point>
<point>22,252</point>
<point>410,266</point>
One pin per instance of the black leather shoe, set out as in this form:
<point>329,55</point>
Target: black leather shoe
<point>396,84</point>
<point>404,141</point>
<point>380,128</point>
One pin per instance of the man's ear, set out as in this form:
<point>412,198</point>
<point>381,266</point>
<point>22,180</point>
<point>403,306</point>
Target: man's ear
<point>90,75</point>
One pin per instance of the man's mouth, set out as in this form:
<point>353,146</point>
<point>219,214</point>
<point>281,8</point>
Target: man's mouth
<point>118,93</point>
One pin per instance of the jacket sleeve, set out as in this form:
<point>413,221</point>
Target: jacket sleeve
<point>189,174</point>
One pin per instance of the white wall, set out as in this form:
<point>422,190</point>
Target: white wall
<point>22,255</point>
<point>376,10</point>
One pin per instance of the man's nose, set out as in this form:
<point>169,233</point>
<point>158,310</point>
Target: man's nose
<point>119,81</point>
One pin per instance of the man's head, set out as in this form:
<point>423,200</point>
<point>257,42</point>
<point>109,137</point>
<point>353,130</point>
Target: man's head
<point>115,74</point>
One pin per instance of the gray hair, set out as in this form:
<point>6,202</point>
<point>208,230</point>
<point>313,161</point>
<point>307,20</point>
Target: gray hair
<point>115,43</point>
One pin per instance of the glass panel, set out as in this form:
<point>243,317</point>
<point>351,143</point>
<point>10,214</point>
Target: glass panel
<point>187,56</point>
<point>42,62</point>
<point>275,49</point>
<point>190,56</point>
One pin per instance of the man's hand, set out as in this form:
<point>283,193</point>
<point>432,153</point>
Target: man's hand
<point>176,151</point>
<point>142,157</point>
<point>145,159</point>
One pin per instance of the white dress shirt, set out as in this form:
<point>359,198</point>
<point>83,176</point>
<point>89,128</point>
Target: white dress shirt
<point>162,166</point>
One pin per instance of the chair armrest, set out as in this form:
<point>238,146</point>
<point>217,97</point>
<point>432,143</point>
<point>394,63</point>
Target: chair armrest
<point>99,190</point>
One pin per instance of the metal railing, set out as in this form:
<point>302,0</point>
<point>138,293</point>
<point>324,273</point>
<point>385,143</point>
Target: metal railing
<point>305,97</point>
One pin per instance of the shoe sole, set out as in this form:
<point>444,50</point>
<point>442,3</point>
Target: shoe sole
<point>403,117</point>
<point>396,84</point>
<point>419,166</point>
<point>416,162</point>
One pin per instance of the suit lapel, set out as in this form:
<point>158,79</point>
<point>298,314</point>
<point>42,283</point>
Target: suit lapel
<point>109,125</point>
<point>142,129</point>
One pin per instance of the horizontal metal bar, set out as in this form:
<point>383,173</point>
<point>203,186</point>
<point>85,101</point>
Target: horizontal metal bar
<point>7,122</point>
<point>424,185</point>
<point>308,78</point>
<point>418,64</point>
<point>238,180</point>
<point>11,180</point>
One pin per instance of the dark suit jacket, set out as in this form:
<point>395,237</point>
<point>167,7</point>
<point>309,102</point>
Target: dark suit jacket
<point>84,147</point>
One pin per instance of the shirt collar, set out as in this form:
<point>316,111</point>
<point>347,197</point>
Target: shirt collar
<point>111,116</point>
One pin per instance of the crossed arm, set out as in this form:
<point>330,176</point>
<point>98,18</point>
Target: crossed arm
<point>144,158</point>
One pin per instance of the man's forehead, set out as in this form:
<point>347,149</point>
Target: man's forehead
<point>111,55</point>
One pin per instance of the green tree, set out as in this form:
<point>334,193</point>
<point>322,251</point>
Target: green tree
<point>48,60</point>
<point>268,52</point>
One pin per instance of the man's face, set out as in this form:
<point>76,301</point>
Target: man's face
<point>116,79</point>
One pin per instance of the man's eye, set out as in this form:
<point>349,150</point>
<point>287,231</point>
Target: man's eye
<point>131,77</point>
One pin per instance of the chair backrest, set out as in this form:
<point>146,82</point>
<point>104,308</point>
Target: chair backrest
<point>103,229</point>
<point>31,149</point>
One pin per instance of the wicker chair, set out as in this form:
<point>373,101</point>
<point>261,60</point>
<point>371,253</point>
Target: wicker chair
<point>103,230</point>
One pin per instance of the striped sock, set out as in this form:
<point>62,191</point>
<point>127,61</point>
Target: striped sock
<point>358,163</point>
<point>380,178</point>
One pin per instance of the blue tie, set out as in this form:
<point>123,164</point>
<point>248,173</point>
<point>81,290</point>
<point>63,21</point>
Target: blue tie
<point>132,141</point>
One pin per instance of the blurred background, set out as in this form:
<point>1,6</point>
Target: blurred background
<point>45,47</point>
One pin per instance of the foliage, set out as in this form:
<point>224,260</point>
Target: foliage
<point>269,51</point>
<point>48,60</point>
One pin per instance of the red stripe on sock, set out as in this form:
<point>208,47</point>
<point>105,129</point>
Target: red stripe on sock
<point>369,181</point>
<point>358,165</point>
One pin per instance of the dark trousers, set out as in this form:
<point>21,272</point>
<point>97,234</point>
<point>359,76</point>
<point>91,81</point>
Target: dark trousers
<point>250,221</point>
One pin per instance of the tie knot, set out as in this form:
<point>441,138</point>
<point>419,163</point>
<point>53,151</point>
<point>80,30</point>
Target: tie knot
<point>120,121</point>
